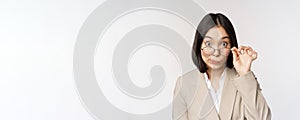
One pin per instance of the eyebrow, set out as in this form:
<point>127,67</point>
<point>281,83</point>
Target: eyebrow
<point>212,38</point>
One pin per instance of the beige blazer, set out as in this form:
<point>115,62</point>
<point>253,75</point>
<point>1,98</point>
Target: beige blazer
<point>241,98</point>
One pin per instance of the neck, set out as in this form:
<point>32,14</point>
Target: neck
<point>215,74</point>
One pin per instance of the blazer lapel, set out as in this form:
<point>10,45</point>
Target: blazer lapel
<point>228,95</point>
<point>207,108</point>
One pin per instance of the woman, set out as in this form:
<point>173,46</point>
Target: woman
<point>223,87</point>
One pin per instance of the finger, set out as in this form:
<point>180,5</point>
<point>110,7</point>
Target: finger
<point>241,50</point>
<point>235,49</point>
<point>248,50</point>
<point>234,53</point>
<point>251,53</point>
<point>242,47</point>
<point>254,55</point>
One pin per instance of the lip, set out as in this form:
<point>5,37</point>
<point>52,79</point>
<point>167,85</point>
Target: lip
<point>214,61</point>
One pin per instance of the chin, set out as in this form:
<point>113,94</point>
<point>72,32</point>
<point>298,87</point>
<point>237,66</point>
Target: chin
<point>215,67</point>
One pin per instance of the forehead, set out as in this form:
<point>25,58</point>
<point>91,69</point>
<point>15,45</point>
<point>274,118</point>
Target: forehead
<point>216,33</point>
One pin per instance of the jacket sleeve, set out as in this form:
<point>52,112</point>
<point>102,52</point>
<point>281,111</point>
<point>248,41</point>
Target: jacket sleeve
<point>255,105</point>
<point>179,107</point>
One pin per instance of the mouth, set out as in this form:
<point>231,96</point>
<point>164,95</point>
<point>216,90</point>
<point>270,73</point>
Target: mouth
<point>214,62</point>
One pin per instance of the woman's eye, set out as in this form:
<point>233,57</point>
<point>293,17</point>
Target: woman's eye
<point>207,43</point>
<point>224,44</point>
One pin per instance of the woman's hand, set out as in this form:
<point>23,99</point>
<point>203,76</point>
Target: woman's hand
<point>242,59</point>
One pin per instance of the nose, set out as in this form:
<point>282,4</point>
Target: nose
<point>217,52</point>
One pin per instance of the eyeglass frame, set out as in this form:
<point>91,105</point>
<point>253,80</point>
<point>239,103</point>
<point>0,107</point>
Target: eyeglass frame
<point>214,49</point>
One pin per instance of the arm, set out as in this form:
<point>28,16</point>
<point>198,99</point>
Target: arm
<point>253,101</point>
<point>179,110</point>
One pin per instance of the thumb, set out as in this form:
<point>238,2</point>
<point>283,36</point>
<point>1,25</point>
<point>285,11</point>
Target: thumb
<point>234,51</point>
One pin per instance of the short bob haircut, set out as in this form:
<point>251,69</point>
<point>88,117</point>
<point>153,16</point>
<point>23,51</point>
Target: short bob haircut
<point>209,21</point>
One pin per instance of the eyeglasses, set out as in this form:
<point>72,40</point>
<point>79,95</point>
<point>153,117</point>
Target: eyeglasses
<point>210,50</point>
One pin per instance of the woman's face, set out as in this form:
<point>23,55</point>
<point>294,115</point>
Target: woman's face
<point>215,48</point>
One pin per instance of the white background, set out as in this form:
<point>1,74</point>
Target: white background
<point>37,40</point>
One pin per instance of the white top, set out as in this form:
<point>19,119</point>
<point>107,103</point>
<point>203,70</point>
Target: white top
<point>216,96</point>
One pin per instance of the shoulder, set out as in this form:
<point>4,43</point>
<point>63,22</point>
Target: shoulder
<point>190,81</point>
<point>191,77</point>
<point>231,72</point>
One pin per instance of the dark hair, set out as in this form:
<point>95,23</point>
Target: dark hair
<point>209,21</point>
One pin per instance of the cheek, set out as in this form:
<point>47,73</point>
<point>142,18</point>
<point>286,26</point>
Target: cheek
<point>228,53</point>
<point>204,56</point>
<point>225,58</point>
